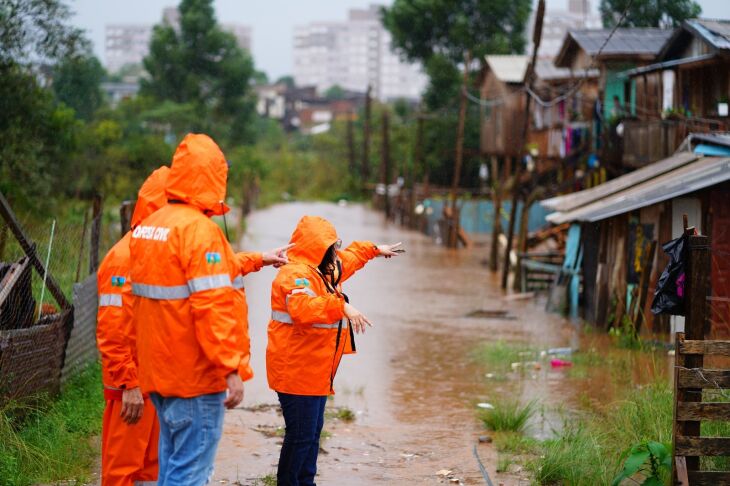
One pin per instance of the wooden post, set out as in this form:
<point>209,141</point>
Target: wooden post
<point>385,163</point>
<point>126,210</point>
<point>497,224</point>
<point>29,248</point>
<point>529,76</point>
<point>81,245</point>
<point>453,239</point>
<point>524,230</point>
<point>646,269</point>
<point>365,164</point>
<point>95,234</point>
<point>695,305</point>
<point>351,157</point>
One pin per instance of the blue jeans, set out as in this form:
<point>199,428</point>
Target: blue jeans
<point>304,418</point>
<point>190,429</point>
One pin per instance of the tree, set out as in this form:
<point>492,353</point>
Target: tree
<point>287,80</point>
<point>648,13</point>
<point>37,31</point>
<point>423,28</point>
<point>198,63</point>
<point>76,82</point>
<point>335,92</point>
<point>38,135</point>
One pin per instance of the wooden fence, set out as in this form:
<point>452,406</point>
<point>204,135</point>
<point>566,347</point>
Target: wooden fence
<point>691,378</point>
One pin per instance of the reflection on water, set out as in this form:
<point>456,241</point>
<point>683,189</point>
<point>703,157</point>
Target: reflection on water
<point>414,382</point>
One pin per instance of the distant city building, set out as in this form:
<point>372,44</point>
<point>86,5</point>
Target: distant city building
<point>557,23</point>
<point>353,54</point>
<point>126,44</point>
<point>130,43</point>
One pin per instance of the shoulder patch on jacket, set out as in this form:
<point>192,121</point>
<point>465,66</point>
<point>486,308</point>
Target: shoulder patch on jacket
<point>301,282</point>
<point>213,257</point>
<point>118,281</point>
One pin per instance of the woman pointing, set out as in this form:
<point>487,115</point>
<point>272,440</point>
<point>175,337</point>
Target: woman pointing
<point>312,325</point>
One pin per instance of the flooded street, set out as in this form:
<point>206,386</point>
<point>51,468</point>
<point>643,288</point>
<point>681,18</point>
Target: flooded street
<point>414,383</point>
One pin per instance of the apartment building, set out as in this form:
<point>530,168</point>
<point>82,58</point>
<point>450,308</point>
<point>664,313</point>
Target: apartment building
<point>353,54</point>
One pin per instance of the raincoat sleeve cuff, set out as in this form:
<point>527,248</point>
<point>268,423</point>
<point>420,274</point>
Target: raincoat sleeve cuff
<point>249,262</point>
<point>129,384</point>
<point>245,371</point>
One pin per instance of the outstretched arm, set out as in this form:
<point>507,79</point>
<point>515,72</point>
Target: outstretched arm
<point>355,256</point>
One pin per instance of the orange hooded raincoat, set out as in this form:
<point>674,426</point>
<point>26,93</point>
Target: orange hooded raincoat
<point>190,307</point>
<point>129,452</point>
<point>304,351</point>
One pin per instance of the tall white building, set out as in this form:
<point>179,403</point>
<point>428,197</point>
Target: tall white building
<point>557,23</point>
<point>130,43</point>
<point>353,54</point>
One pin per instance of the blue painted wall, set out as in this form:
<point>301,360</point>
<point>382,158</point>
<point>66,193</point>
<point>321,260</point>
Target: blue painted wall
<point>477,216</point>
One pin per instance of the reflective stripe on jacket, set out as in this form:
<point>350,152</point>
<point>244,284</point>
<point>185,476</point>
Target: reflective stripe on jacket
<point>302,352</point>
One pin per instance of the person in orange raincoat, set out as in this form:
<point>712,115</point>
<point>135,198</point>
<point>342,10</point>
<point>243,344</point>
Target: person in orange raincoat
<point>312,325</point>
<point>130,428</point>
<point>190,312</point>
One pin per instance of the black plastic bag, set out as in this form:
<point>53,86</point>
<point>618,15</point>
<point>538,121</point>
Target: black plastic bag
<point>669,293</point>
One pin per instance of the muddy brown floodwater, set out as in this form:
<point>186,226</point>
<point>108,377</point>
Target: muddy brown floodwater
<point>413,384</point>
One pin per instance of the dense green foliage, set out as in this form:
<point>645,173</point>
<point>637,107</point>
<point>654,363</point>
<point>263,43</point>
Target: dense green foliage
<point>76,83</point>
<point>648,13</point>
<point>199,70</point>
<point>51,440</point>
<point>422,28</point>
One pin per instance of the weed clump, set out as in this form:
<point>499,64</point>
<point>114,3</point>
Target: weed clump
<point>508,416</point>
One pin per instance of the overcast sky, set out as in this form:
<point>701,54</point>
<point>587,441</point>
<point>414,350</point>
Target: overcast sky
<point>272,20</point>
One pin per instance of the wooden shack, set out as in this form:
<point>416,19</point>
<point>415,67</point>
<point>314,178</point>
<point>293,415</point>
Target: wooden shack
<point>686,91</point>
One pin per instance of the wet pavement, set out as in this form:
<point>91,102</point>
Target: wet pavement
<point>414,383</point>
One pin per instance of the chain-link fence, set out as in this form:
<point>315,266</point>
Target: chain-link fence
<point>48,296</point>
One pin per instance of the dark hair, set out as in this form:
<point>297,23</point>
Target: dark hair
<point>329,261</point>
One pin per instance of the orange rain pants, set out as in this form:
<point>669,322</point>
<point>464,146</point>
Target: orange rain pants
<point>122,462</point>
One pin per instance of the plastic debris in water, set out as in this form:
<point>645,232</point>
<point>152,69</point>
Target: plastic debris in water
<point>560,363</point>
<point>559,351</point>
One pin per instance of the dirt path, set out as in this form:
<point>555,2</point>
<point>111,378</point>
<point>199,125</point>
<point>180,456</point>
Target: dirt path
<point>412,385</point>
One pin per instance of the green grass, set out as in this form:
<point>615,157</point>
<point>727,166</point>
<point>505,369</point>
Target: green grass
<point>503,463</point>
<point>515,443</point>
<point>268,480</point>
<point>51,440</point>
<point>499,355</point>
<point>508,416</point>
<point>588,449</point>
<point>341,413</point>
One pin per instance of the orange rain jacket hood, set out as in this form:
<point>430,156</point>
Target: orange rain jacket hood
<point>198,175</point>
<point>304,350</point>
<point>190,310</point>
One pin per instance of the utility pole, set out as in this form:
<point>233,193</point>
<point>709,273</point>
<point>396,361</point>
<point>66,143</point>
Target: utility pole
<point>365,165</point>
<point>459,156</point>
<point>529,76</point>
<point>497,224</point>
<point>385,162</point>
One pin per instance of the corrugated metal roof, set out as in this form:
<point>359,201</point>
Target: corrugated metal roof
<point>581,198</point>
<point>716,32</point>
<point>508,69</point>
<point>546,69</point>
<point>705,172</point>
<point>627,41</point>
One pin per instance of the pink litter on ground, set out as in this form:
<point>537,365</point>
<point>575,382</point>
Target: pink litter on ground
<point>559,363</point>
